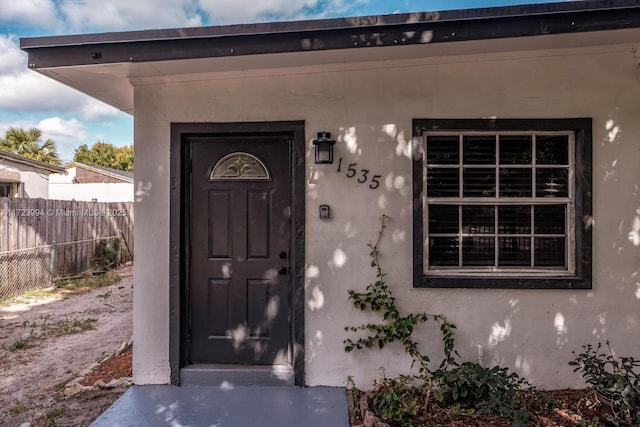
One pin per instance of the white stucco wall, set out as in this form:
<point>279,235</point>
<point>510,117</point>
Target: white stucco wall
<point>62,187</point>
<point>35,181</point>
<point>87,192</point>
<point>369,107</point>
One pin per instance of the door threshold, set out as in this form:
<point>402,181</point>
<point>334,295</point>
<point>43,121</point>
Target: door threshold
<point>225,375</point>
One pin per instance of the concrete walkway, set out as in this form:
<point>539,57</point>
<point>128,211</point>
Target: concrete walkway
<point>197,406</point>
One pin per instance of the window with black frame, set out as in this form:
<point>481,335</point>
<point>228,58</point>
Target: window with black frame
<point>499,203</point>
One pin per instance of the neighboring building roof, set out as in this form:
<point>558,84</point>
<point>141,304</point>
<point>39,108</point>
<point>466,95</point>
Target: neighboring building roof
<point>113,173</point>
<point>104,65</point>
<point>47,167</point>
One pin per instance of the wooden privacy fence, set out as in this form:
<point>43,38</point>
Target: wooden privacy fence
<point>41,240</point>
<point>29,223</point>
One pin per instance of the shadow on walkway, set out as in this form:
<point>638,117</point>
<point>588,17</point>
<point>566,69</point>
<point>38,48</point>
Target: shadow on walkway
<point>228,407</point>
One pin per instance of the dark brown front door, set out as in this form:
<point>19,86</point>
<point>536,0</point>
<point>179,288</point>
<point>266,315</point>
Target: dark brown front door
<point>240,237</point>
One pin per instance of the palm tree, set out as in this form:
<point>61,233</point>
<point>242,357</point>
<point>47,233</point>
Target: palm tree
<point>28,143</point>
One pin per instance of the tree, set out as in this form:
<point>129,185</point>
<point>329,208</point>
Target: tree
<point>105,155</point>
<point>28,143</point>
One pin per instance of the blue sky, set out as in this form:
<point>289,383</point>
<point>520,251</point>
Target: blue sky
<point>70,118</point>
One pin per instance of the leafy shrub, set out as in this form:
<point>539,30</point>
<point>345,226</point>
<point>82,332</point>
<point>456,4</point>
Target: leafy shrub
<point>487,390</point>
<point>108,254</point>
<point>617,379</point>
<point>394,399</point>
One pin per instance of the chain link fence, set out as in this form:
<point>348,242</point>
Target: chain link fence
<point>32,268</point>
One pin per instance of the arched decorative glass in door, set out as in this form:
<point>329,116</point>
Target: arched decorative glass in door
<point>239,166</point>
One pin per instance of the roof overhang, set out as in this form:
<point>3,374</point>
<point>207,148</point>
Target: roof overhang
<point>106,65</point>
<point>47,167</point>
<point>121,176</point>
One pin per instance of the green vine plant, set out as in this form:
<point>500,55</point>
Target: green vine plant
<point>394,327</point>
<point>478,389</point>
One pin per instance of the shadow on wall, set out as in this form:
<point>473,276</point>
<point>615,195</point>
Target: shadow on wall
<point>610,310</point>
<point>570,318</point>
<point>363,183</point>
<point>143,191</point>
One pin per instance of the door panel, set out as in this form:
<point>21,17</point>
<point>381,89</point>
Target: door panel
<point>218,305</point>
<point>220,216</point>
<point>240,224</point>
<point>258,224</point>
<point>258,300</point>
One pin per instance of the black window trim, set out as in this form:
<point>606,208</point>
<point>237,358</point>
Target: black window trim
<point>582,277</point>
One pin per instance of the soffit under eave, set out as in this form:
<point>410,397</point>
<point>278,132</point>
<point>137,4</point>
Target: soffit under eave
<point>114,83</point>
<point>111,88</point>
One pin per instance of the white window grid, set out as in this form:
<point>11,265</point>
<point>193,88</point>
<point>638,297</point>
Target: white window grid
<point>460,201</point>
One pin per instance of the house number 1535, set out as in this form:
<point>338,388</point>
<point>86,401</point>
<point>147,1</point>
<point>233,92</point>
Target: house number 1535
<point>361,175</point>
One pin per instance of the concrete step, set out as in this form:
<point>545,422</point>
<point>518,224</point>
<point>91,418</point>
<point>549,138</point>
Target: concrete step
<point>237,375</point>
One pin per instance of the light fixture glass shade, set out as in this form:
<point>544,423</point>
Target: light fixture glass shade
<point>324,148</point>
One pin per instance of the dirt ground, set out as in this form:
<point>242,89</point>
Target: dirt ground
<point>45,344</point>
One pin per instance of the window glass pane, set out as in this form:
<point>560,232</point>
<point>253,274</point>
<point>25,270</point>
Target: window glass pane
<point>479,150</point>
<point>443,219</point>
<point>549,252</point>
<point>552,182</point>
<point>479,182</point>
<point>478,251</point>
<point>515,182</point>
<point>514,219</point>
<point>515,149</point>
<point>443,150</point>
<point>552,150</point>
<point>549,219</point>
<point>514,251</point>
<point>443,182</point>
<point>478,219</point>
<point>5,190</point>
<point>443,251</point>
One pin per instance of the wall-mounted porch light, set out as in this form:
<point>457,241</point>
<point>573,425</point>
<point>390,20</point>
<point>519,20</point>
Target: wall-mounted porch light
<point>324,148</point>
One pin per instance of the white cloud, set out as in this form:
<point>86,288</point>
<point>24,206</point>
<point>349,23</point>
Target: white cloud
<point>24,90</point>
<point>95,111</point>
<point>117,15</point>
<point>242,11</point>
<point>67,134</point>
<point>66,16</point>
<point>61,130</point>
<point>13,62</point>
<point>29,91</point>
<point>36,13</point>
<point>251,10</point>
<point>99,15</point>
<point>128,14</point>
<point>114,15</point>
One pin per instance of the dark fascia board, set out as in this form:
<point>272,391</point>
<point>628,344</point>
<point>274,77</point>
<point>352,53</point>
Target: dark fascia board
<point>341,33</point>
<point>31,162</point>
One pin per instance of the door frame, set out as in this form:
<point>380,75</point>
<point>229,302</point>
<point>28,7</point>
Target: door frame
<point>179,214</point>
